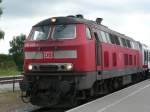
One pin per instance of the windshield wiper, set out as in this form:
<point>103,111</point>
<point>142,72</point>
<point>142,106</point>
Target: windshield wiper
<point>61,28</point>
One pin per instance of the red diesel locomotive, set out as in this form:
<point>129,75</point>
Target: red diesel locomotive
<point>71,58</point>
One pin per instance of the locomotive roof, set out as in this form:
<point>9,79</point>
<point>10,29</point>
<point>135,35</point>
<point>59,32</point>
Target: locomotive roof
<point>64,20</point>
<point>75,20</point>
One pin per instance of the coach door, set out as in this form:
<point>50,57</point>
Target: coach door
<point>97,49</point>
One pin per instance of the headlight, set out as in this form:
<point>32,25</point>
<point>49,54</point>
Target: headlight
<point>65,54</point>
<point>53,20</point>
<point>30,67</point>
<point>69,66</point>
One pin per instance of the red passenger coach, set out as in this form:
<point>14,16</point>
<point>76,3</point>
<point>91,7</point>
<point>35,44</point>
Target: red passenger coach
<point>70,58</point>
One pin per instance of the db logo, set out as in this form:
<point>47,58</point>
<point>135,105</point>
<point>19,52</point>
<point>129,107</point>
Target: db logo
<point>48,54</point>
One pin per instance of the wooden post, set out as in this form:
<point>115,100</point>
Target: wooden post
<point>13,84</point>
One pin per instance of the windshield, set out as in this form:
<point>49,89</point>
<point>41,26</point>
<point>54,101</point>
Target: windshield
<point>40,33</point>
<point>64,32</point>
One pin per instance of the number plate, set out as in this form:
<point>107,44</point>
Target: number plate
<point>48,54</point>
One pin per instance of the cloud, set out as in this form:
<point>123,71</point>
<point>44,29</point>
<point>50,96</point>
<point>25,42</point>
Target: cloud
<point>35,8</point>
<point>130,17</point>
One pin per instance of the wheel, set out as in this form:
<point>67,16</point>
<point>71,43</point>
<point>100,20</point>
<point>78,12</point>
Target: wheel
<point>116,84</point>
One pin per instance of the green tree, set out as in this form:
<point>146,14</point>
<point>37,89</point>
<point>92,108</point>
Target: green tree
<point>1,9</point>
<point>1,32</point>
<point>16,50</point>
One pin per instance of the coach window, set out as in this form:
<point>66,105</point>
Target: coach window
<point>103,36</point>
<point>88,33</point>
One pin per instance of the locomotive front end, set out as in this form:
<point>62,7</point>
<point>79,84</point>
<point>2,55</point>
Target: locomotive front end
<point>55,63</point>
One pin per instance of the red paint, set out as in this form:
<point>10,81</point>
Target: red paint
<point>85,54</point>
<point>86,58</point>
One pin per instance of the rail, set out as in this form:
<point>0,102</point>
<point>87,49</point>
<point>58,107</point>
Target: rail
<point>11,80</point>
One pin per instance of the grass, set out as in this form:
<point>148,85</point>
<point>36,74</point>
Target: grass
<point>9,72</point>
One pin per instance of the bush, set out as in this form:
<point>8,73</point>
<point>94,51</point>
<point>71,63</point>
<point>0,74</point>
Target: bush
<point>6,61</point>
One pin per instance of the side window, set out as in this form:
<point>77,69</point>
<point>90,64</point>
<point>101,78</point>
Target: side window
<point>116,40</point>
<point>99,36</point>
<point>112,38</point>
<point>123,42</point>
<point>136,45</point>
<point>133,45</point>
<point>108,38</point>
<point>103,36</point>
<point>140,46</point>
<point>88,33</point>
<point>128,43</point>
<point>96,37</point>
<point>145,55</point>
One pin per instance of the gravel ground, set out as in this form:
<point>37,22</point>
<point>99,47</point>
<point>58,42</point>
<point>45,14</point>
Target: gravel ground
<point>11,102</point>
<point>8,87</point>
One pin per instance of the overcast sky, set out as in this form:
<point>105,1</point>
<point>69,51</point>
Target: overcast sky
<point>130,17</point>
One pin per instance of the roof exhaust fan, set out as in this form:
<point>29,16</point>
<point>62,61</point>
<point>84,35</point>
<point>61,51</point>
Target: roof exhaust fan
<point>99,20</point>
<point>79,16</point>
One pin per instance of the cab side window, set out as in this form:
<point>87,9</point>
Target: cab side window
<point>103,36</point>
<point>96,37</point>
<point>88,33</point>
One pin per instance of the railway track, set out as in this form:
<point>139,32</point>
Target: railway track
<point>49,110</point>
<point>31,108</point>
<point>11,79</point>
<point>42,109</point>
